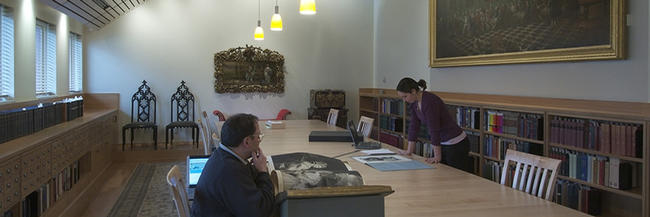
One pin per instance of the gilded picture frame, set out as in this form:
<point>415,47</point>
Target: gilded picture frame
<point>248,70</point>
<point>480,32</point>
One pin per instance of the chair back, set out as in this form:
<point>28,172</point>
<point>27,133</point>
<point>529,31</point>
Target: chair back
<point>211,125</point>
<point>205,139</point>
<point>332,117</point>
<point>365,125</point>
<point>142,100</point>
<point>219,114</point>
<point>282,115</point>
<point>184,101</point>
<point>533,174</point>
<point>179,195</point>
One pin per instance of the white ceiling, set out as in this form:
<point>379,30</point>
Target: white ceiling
<point>95,14</point>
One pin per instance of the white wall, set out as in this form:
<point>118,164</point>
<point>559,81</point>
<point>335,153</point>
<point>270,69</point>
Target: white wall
<point>402,43</point>
<point>166,41</point>
<point>25,14</point>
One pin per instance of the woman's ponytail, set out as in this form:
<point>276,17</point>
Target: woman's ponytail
<point>422,84</point>
<point>407,84</point>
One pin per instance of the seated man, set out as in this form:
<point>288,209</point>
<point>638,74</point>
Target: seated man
<point>229,184</point>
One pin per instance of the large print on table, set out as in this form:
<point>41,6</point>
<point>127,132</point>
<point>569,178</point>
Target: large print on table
<point>483,32</point>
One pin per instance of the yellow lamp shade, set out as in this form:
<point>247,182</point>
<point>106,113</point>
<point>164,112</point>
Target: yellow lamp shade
<point>307,7</point>
<point>259,33</point>
<point>276,22</point>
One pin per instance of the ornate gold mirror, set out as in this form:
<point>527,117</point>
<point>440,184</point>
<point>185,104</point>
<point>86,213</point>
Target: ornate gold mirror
<point>247,70</point>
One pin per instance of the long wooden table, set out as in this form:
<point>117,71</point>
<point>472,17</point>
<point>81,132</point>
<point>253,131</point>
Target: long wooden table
<point>442,191</point>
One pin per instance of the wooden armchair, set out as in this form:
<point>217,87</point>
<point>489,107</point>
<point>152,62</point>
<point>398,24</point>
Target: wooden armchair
<point>332,117</point>
<point>179,195</point>
<point>533,174</point>
<point>365,125</point>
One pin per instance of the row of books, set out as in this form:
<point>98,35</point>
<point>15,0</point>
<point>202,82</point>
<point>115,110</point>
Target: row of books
<point>580,197</point>
<point>391,139</point>
<point>392,106</point>
<point>466,117</point>
<point>20,122</point>
<point>523,125</point>
<point>391,123</point>
<point>423,149</point>
<point>601,170</point>
<point>496,147</point>
<point>36,203</point>
<point>615,138</point>
<point>492,170</point>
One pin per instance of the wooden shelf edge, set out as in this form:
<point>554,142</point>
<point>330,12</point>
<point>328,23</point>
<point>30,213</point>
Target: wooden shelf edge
<point>471,129</point>
<point>367,110</point>
<point>390,115</point>
<point>636,195</point>
<point>474,154</point>
<point>626,158</point>
<point>515,137</point>
<point>492,159</point>
<point>390,131</point>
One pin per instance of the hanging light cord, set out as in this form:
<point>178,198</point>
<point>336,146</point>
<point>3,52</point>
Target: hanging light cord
<point>258,9</point>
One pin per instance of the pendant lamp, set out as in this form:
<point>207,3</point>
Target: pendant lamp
<point>276,19</point>
<point>259,32</point>
<point>307,7</point>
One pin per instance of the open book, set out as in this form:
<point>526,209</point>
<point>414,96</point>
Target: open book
<point>297,171</point>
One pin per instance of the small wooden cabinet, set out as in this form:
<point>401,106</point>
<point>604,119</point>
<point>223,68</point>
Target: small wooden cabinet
<point>321,101</point>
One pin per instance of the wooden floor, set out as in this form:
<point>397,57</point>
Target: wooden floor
<point>117,175</point>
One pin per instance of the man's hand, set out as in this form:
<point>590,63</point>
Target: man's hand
<point>259,160</point>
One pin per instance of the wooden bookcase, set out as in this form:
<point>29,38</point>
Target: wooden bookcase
<point>613,202</point>
<point>65,158</point>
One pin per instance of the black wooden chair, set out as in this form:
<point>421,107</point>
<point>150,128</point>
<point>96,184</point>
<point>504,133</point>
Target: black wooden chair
<point>183,99</point>
<point>143,99</point>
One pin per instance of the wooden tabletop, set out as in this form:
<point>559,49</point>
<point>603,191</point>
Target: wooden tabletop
<point>442,191</point>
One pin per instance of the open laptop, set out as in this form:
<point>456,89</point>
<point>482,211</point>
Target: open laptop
<point>195,165</point>
<point>358,140</point>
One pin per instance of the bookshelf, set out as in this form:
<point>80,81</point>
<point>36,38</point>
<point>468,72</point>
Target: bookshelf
<point>559,128</point>
<point>43,173</point>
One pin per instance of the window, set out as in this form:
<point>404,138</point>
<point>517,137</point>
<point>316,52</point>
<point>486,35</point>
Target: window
<point>6,53</point>
<point>75,63</point>
<point>45,58</point>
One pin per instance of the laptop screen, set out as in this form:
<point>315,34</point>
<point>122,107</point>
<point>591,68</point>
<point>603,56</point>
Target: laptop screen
<point>195,166</point>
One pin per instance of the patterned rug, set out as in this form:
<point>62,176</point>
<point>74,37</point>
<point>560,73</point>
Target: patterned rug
<point>147,194</point>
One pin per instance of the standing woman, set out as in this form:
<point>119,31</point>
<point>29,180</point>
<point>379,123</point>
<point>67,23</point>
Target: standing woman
<point>450,143</point>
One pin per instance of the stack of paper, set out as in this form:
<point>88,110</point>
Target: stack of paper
<point>275,124</point>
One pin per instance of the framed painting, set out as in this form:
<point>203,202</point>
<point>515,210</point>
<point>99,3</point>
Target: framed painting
<point>248,69</point>
<point>485,32</point>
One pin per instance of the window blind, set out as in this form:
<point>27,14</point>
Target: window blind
<point>75,59</point>
<point>6,52</point>
<point>45,58</point>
